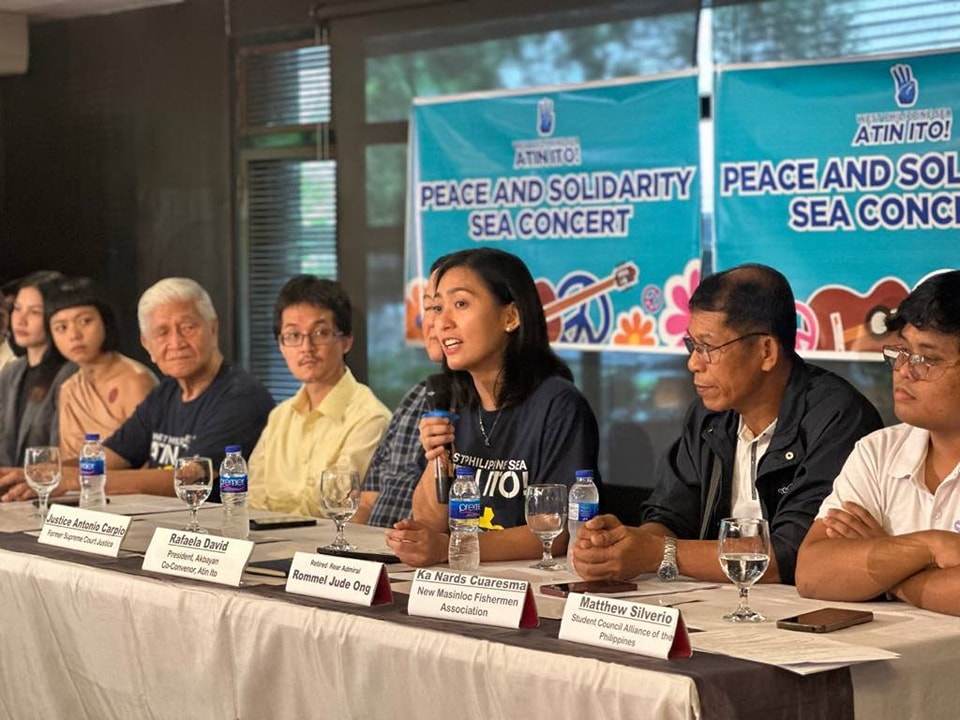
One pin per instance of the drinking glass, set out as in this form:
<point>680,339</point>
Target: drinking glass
<point>339,497</point>
<point>744,549</point>
<point>546,509</point>
<point>192,481</point>
<point>42,469</point>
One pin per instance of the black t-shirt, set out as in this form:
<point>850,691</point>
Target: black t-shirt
<point>233,410</point>
<point>546,439</point>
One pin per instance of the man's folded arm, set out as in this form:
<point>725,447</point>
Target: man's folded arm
<point>936,589</point>
<point>858,569</point>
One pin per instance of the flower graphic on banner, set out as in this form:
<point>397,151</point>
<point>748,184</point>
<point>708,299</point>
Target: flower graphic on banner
<point>413,313</point>
<point>808,329</point>
<point>635,328</point>
<point>676,312</point>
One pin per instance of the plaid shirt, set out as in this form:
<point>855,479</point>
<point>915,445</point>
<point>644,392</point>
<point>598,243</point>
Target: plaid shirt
<point>398,461</point>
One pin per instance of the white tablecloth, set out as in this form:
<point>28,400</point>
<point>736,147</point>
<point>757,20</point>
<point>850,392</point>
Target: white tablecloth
<point>81,642</point>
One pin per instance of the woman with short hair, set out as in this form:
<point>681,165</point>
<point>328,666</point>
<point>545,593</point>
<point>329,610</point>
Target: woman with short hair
<point>522,420</point>
<point>29,385</point>
<point>108,386</point>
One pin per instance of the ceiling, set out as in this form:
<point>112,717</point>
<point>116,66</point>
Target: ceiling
<point>40,10</point>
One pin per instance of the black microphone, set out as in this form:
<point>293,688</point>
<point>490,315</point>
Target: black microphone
<point>439,397</point>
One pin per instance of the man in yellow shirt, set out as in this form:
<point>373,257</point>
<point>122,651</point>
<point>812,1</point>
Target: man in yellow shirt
<point>332,419</point>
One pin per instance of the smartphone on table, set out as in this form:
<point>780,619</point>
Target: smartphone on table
<point>596,587</point>
<point>281,522</point>
<point>825,620</point>
<point>387,558</point>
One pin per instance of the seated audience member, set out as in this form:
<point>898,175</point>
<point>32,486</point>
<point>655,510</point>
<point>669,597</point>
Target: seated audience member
<point>765,439</point>
<point>8,291</point>
<point>399,461</point>
<point>891,524</point>
<point>518,406</point>
<point>108,386</point>
<point>201,405</point>
<point>332,419</point>
<point>29,385</point>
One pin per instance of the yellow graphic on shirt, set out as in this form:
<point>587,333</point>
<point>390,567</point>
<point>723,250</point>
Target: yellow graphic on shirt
<point>486,521</point>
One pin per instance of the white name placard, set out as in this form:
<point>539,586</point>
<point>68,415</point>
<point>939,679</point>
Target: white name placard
<point>472,598</point>
<point>651,630</point>
<point>89,531</point>
<point>360,582</point>
<point>199,557</point>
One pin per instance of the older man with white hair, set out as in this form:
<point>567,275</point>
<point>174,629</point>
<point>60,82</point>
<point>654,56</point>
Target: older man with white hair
<point>202,404</point>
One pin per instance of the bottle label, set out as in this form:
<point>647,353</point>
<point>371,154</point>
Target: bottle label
<point>233,483</point>
<point>581,512</point>
<point>465,509</point>
<point>91,466</point>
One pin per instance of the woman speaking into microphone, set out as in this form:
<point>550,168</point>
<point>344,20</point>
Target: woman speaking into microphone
<point>521,419</point>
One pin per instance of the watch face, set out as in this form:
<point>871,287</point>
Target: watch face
<point>667,572</point>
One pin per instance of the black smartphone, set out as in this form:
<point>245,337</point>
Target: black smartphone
<point>597,587</point>
<point>281,522</point>
<point>271,568</point>
<point>384,557</point>
<point>825,620</point>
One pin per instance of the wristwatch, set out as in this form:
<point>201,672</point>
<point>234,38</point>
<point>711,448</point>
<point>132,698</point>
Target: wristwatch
<point>668,566</point>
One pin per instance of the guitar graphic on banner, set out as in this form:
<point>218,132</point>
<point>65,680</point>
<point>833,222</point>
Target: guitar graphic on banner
<point>853,322</point>
<point>623,276</point>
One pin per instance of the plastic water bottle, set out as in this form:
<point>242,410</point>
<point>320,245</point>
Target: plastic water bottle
<point>464,506</point>
<point>233,494</point>
<point>93,473</point>
<point>583,503</point>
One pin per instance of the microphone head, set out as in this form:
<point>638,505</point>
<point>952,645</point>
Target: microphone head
<point>439,392</point>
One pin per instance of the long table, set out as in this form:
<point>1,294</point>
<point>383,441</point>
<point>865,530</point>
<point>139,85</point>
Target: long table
<point>92,637</point>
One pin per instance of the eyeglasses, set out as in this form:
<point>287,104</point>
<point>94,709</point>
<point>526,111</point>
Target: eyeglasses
<point>917,365</point>
<point>706,352</point>
<point>320,336</point>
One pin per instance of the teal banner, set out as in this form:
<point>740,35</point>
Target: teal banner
<point>595,187</point>
<point>845,177</point>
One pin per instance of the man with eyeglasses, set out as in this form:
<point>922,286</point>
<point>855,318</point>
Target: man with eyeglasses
<point>332,420</point>
<point>765,439</point>
<point>892,523</point>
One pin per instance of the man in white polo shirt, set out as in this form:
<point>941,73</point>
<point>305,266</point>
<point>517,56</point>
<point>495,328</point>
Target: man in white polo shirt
<point>892,523</point>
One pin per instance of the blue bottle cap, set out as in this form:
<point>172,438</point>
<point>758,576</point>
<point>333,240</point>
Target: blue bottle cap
<point>451,416</point>
<point>234,448</point>
<point>91,437</point>
<point>584,474</point>
<point>465,471</point>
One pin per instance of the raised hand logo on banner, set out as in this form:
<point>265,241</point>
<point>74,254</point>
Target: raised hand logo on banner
<point>906,88</point>
<point>546,118</point>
